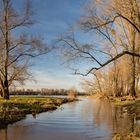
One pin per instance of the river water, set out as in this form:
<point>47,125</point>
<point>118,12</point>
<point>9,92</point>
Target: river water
<point>88,119</point>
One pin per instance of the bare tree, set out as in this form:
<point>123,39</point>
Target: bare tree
<point>16,49</point>
<point>117,22</point>
<point>72,93</point>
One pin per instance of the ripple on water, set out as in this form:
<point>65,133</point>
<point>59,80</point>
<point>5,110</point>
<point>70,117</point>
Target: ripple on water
<point>72,121</point>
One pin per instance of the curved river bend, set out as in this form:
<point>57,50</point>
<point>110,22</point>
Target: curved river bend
<point>87,119</point>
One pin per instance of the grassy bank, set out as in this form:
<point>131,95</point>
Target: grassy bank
<point>129,104</point>
<point>16,108</point>
<point>125,101</point>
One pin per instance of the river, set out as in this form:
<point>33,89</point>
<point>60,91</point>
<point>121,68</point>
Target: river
<point>87,119</point>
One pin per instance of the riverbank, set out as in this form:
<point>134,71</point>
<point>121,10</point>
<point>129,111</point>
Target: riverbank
<point>125,101</point>
<point>129,105</point>
<point>119,101</point>
<point>17,108</point>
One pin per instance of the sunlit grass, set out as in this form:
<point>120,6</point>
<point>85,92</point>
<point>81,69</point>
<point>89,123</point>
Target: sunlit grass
<point>130,136</point>
<point>126,100</point>
<point>17,107</point>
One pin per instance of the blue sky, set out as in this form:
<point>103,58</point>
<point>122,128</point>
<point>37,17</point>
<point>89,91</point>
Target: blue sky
<point>54,17</point>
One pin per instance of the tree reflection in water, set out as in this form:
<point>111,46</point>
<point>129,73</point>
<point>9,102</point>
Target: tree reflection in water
<point>4,134</point>
<point>96,118</point>
<point>122,120</point>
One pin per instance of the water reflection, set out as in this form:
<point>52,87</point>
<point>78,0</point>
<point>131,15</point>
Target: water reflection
<point>125,122</point>
<point>121,120</point>
<point>3,134</point>
<point>88,119</point>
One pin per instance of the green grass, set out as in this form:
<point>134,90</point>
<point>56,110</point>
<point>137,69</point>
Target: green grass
<point>17,107</point>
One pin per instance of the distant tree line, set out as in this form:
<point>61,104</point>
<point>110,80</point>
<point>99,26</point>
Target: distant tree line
<point>44,92</point>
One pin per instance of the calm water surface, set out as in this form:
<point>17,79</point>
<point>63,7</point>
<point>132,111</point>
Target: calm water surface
<point>88,119</point>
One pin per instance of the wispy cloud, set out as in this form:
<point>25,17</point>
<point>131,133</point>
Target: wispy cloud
<point>44,79</point>
<point>53,19</point>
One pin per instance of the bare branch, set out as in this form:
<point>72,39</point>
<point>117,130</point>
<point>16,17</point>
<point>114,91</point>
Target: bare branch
<point>74,47</point>
<point>129,21</point>
<point>109,61</point>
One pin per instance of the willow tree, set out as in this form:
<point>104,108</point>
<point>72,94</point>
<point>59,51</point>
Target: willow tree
<point>16,48</point>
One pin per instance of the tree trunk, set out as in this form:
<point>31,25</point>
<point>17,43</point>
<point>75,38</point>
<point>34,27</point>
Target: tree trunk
<point>133,92</point>
<point>6,90</point>
<point>6,33</point>
<point>115,78</point>
<point>1,93</point>
<point>98,81</point>
<point>6,93</point>
<point>133,67</point>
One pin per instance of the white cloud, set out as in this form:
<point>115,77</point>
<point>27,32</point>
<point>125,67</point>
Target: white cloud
<point>44,79</point>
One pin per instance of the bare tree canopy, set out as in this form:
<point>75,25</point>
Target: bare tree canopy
<point>16,47</point>
<point>117,24</point>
